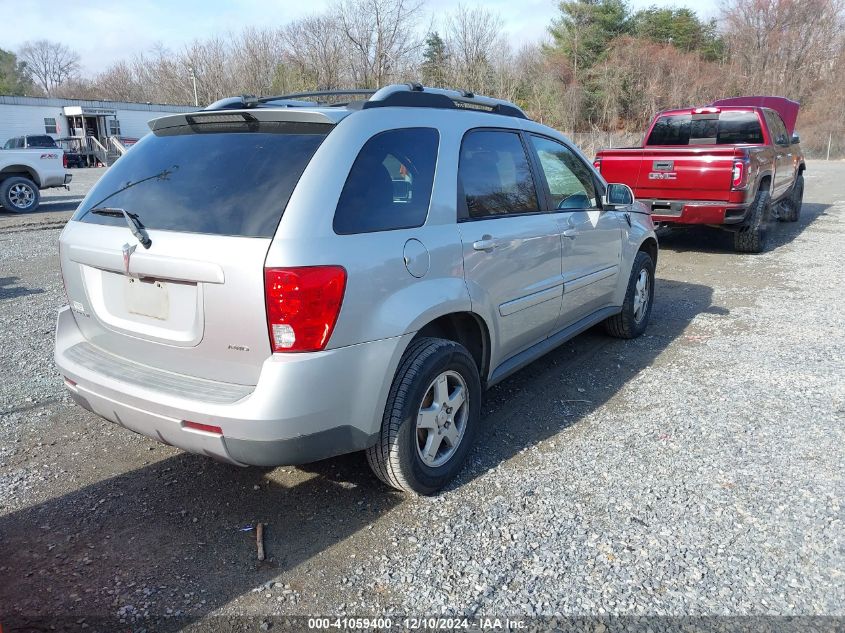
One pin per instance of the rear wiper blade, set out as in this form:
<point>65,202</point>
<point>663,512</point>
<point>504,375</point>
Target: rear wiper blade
<point>131,219</point>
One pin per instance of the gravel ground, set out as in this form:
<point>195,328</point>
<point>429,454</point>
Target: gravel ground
<point>695,471</point>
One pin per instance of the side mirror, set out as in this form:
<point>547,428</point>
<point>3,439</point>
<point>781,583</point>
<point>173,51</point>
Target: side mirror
<point>617,195</point>
<point>795,139</point>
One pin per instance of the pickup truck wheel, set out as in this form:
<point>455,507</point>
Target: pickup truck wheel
<point>792,205</point>
<point>751,237</point>
<point>639,297</point>
<point>431,417</point>
<point>19,194</point>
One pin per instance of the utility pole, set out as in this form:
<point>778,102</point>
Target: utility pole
<point>829,139</point>
<point>194,81</point>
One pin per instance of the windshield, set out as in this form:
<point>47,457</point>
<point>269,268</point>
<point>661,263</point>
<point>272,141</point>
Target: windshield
<point>726,128</point>
<point>221,180</point>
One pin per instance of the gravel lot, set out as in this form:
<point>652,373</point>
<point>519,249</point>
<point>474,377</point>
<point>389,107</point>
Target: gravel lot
<point>698,470</point>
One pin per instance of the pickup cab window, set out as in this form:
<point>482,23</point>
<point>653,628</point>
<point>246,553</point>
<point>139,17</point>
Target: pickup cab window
<point>725,128</point>
<point>777,128</point>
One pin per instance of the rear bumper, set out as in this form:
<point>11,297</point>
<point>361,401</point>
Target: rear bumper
<point>693,212</point>
<point>305,407</point>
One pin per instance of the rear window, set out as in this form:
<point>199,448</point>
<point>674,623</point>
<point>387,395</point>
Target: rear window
<point>725,128</point>
<point>232,179</point>
<point>40,141</point>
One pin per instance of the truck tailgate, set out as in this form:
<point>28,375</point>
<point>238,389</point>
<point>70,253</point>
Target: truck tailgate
<point>667,173</point>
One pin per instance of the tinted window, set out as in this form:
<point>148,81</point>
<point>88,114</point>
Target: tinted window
<point>40,141</point>
<point>570,182</point>
<point>389,185</point>
<point>777,128</point>
<point>224,179</point>
<point>494,175</point>
<point>726,128</point>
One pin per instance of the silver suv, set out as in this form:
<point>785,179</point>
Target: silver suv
<point>279,280</point>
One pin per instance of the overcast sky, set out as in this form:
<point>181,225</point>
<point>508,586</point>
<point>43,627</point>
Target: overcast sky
<point>104,31</point>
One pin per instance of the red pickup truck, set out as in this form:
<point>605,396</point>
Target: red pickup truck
<point>735,164</point>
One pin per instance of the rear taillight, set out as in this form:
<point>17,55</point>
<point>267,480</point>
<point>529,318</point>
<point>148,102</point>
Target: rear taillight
<point>739,176</point>
<point>597,164</point>
<point>302,306</point>
<point>64,161</point>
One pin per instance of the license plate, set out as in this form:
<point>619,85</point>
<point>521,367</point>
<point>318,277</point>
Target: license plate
<point>147,298</point>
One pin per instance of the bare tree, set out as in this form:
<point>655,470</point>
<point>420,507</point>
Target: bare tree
<point>49,64</point>
<point>255,56</point>
<point>782,46</point>
<point>473,36</point>
<point>383,38</point>
<point>314,55</point>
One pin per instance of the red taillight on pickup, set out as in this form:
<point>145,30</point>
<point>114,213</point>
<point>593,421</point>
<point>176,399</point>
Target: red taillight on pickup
<point>302,306</point>
<point>597,164</point>
<point>739,176</point>
<point>64,161</point>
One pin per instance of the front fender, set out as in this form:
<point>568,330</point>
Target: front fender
<point>641,230</point>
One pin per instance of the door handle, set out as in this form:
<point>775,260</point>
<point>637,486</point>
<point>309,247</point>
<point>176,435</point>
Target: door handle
<point>570,233</point>
<point>486,243</point>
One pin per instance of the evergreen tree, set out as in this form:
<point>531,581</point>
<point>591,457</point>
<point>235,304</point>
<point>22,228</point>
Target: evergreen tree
<point>435,61</point>
<point>13,77</point>
<point>585,28</point>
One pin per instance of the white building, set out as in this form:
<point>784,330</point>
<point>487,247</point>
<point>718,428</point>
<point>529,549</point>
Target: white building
<point>79,119</point>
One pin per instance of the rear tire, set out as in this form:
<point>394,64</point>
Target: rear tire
<point>791,208</point>
<point>19,194</point>
<point>639,297</point>
<point>431,418</point>
<point>751,237</point>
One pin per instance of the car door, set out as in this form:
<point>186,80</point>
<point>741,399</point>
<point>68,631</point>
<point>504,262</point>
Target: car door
<point>784,167</point>
<point>591,236</point>
<point>511,248</point>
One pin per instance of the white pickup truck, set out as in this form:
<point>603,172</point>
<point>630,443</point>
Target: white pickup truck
<point>24,172</point>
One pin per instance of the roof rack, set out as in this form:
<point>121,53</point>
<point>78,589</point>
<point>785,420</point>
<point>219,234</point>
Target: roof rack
<point>416,95</point>
<point>411,95</point>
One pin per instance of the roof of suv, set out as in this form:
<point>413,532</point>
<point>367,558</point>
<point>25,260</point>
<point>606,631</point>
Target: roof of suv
<point>329,107</point>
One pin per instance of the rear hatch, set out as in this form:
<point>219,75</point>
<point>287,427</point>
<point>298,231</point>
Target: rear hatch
<point>688,155</point>
<point>209,192</point>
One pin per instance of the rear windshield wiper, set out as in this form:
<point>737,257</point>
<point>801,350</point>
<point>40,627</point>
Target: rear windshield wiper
<point>131,219</point>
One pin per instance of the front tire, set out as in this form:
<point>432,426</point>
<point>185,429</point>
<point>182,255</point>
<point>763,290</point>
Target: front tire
<point>791,208</point>
<point>639,297</point>
<point>751,238</point>
<point>431,417</point>
<point>19,194</point>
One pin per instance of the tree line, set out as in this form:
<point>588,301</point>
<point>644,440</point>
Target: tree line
<point>602,67</point>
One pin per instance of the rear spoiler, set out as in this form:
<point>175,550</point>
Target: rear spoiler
<point>786,108</point>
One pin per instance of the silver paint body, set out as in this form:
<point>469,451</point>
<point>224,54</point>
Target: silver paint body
<point>547,277</point>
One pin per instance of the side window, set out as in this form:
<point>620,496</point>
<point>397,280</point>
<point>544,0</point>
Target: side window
<point>114,127</point>
<point>389,185</point>
<point>570,181</point>
<point>50,125</point>
<point>777,128</point>
<point>494,175</point>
